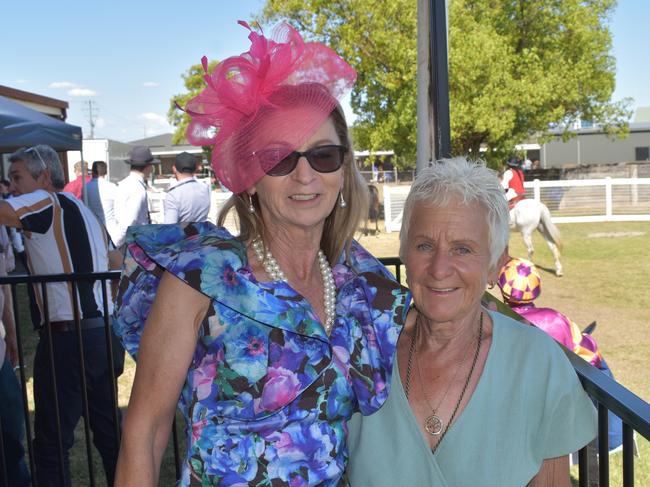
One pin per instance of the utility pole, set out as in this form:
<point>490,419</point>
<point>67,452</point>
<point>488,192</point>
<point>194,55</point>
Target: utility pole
<point>91,118</point>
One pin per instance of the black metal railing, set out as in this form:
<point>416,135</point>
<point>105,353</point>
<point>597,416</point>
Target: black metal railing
<point>608,394</point>
<point>46,330</point>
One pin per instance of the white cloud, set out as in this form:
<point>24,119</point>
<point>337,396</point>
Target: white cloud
<point>151,131</point>
<point>22,81</point>
<point>100,123</point>
<point>62,85</point>
<point>150,84</point>
<point>154,118</point>
<point>81,92</point>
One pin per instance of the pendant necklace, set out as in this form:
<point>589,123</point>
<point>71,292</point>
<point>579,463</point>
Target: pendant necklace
<point>272,268</point>
<point>433,423</point>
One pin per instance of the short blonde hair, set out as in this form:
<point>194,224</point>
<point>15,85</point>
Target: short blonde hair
<point>475,184</point>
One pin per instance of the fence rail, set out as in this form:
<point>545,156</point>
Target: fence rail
<point>570,201</point>
<point>608,394</point>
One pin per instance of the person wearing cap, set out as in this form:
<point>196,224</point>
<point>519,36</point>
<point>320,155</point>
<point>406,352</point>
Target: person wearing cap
<point>62,236</point>
<point>187,200</point>
<point>513,182</point>
<point>521,283</point>
<point>274,337</point>
<point>131,202</point>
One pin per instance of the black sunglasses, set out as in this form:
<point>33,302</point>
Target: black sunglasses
<point>324,159</point>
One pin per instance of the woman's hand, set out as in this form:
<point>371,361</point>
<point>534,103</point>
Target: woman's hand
<point>553,473</point>
<point>165,353</point>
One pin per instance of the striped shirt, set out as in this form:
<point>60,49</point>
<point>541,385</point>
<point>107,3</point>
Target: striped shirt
<point>63,236</point>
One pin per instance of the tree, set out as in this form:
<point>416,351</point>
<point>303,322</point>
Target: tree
<point>194,83</point>
<point>516,68</point>
<point>378,39</point>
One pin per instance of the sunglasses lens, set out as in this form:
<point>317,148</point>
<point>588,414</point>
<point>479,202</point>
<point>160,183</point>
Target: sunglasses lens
<point>327,158</point>
<point>285,166</point>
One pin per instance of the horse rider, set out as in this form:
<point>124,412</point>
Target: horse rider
<point>513,182</point>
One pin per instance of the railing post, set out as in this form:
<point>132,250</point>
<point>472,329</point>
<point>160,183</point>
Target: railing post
<point>387,211</point>
<point>608,197</point>
<point>537,192</point>
<point>603,446</point>
<point>628,456</point>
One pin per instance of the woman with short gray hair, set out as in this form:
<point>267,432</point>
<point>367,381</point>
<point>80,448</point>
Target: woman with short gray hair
<point>469,403</point>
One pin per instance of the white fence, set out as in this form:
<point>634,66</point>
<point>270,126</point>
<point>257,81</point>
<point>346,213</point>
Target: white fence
<point>571,201</point>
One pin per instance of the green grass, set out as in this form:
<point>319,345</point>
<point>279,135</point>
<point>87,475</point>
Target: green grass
<point>605,280</point>
<point>606,269</point>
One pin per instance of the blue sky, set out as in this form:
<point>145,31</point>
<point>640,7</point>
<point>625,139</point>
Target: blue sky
<point>128,57</point>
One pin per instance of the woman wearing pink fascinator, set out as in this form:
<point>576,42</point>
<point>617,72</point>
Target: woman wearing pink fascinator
<point>274,337</point>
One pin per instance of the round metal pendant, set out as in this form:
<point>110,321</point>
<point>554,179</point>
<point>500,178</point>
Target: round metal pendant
<point>433,425</point>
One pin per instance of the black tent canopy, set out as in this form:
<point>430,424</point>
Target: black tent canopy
<point>21,126</point>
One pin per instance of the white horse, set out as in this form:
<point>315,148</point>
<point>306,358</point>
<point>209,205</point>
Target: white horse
<point>525,217</point>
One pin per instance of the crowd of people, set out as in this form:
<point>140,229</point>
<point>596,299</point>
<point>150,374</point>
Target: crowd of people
<point>293,354</point>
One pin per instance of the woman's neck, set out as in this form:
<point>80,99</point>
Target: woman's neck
<point>295,251</point>
<point>447,338</point>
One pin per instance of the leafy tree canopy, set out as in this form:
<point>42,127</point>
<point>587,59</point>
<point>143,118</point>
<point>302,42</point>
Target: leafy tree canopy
<point>516,68</point>
<point>194,83</point>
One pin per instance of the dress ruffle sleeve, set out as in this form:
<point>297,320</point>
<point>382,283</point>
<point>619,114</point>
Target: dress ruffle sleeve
<point>374,307</point>
<point>151,250</point>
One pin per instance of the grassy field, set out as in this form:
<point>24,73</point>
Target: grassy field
<point>604,267</point>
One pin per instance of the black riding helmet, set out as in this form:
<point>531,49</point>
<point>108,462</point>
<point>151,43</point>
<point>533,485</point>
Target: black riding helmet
<point>514,162</point>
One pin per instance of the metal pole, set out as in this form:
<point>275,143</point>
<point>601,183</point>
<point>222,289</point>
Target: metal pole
<point>433,122</point>
<point>425,141</point>
<point>440,78</point>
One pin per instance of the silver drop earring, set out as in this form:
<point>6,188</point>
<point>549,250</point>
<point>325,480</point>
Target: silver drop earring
<point>251,208</point>
<point>342,203</point>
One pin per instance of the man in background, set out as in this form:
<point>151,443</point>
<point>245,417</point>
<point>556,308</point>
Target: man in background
<point>64,237</point>
<point>101,197</point>
<point>75,187</point>
<point>12,420</point>
<point>188,199</point>
<point>131,202</point>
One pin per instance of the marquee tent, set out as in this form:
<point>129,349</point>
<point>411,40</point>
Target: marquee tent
<point>21,126</point>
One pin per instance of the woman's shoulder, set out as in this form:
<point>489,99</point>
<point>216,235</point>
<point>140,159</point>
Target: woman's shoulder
<point>359,261</point>
<point>182,248</point>
<point>526,344</point>
<point>189,251</point>
<point>181,236</point>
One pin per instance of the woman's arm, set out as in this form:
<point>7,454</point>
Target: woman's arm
<point>553,473</point>
<point>165,353</point>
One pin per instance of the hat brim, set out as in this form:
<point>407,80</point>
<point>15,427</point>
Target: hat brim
<point>138,163</point>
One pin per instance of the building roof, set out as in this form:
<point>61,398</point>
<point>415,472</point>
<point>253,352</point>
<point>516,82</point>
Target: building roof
<point>161,145</point>
<point>642,115</point>
<point>633,126</point>
<point>43,104</point>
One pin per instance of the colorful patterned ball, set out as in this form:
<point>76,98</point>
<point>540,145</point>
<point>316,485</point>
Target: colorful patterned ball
<point>520,281</point>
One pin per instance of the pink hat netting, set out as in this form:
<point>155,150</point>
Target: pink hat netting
<point>276,95</point>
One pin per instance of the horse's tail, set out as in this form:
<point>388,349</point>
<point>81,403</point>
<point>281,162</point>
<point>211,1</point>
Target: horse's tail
<point>548,228</point>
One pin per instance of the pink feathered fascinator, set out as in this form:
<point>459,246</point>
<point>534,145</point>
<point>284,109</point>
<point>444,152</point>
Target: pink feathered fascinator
<point>276,95</point>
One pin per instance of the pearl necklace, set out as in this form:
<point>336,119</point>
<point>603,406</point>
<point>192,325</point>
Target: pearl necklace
<point>272,268</point>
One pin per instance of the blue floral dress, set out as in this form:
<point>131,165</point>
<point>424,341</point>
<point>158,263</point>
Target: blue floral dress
<point>268,394</point>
